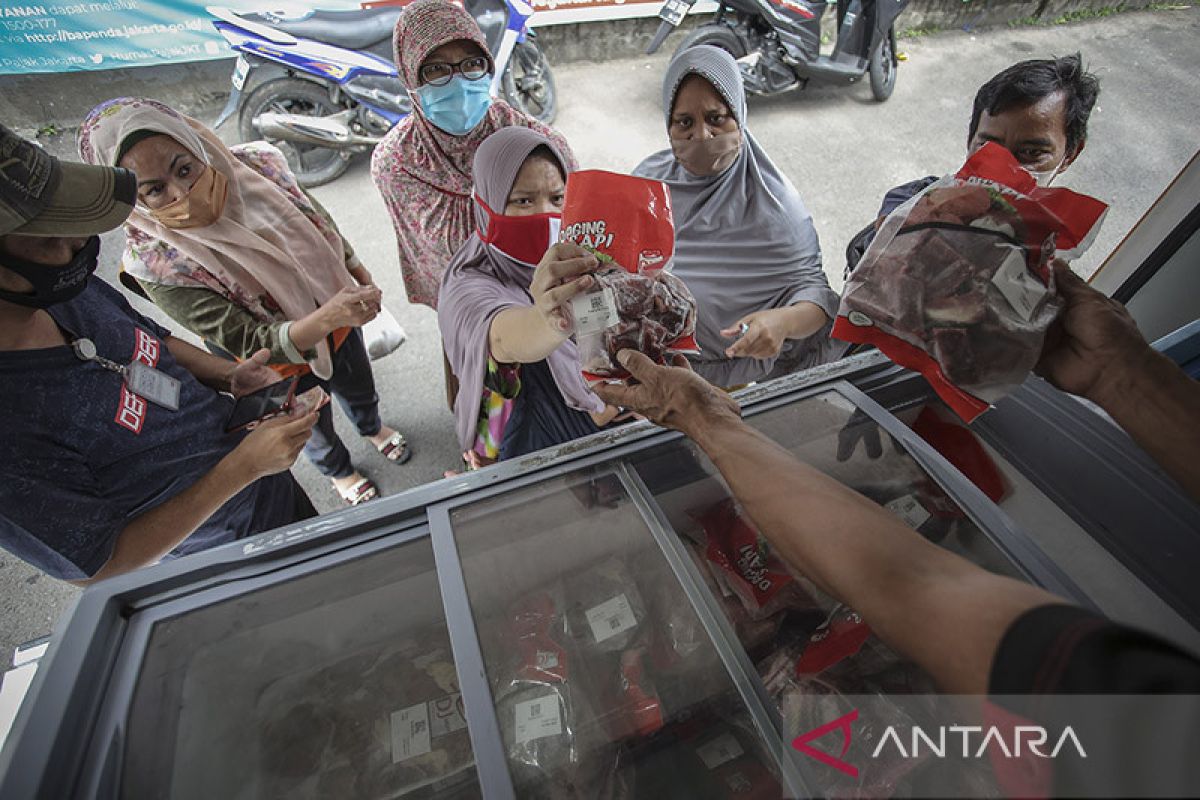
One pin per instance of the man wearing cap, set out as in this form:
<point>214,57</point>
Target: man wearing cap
<point>114,454</point>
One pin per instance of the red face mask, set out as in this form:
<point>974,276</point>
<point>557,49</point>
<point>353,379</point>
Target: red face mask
<point>523,239</point>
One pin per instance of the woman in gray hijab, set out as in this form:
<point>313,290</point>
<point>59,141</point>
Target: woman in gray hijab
<point>744,243</point>
<point>499,308</point>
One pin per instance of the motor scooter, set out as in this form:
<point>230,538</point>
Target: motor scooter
<point>322,86</point>
<point>777,42</point>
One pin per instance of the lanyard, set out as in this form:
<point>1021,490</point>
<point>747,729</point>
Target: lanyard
<point>85,350</point>
<point>157,387</point>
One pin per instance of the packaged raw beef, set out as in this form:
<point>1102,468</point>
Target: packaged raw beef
<point>544,718</point>
<point>752,632</point>
<point>958,284</point>
<point>746,565</point>
<point>605,611</point>
<point>386,721</point>
<point>637,304</point>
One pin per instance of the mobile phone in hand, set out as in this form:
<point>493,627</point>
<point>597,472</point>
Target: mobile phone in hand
<point>270,401</point>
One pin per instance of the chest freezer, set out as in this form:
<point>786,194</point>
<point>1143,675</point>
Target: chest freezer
<point>596,620</point>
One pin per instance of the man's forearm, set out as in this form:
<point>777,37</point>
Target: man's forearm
<point>938,609</point>
<point>1157,404</point>
<point>150,536</point>
<point>210,370</point>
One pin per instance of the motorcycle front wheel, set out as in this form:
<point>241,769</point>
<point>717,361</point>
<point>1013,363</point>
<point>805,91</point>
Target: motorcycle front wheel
<point>312,165</point>
<point>527,84</point>
<point>882,67</point>
<point>718,35</point>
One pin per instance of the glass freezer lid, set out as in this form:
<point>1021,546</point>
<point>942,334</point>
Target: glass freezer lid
<point>334,683</point>
<point>603,678</point>
<point>810,652</point>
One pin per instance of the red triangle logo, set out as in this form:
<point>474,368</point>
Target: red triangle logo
<point>842,723</point>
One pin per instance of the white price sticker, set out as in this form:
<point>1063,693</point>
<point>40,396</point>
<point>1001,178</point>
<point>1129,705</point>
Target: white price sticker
<point>594,312</point>
<point>909,509</point>
<point>410,733</point>
<point>537,719</point>
<point>546,659</point>
<point>719,750</point>
<point>1023,291</point>
<point>611,618</point>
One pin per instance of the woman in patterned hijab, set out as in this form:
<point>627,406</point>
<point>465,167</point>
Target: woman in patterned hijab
<point>424,171</point>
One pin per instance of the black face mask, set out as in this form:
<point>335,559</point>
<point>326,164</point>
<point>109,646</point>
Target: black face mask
<point>52,285</point>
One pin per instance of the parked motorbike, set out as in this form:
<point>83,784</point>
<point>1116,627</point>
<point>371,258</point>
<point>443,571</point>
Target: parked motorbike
<point>322,86</point>
<point>778,42</point>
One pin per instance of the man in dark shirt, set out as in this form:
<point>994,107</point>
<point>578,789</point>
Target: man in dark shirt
<point>114,454</point>
<point>1037,109</point>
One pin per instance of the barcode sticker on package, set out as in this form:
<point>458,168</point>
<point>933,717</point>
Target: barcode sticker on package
<point>1022,290</point>
<point>719,750</point>
<point>611,618</point>
<point>538,718</point>
<point>410,733</point>
<point>594,312</point>
<point>909,509</point>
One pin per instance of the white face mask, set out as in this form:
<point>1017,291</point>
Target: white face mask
<point>1044,177</point>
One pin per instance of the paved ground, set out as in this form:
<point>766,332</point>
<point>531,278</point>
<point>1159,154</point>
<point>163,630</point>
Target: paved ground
<point>841,149</point>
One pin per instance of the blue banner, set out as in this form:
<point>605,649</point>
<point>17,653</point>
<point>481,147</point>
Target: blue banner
<point>66,35</point>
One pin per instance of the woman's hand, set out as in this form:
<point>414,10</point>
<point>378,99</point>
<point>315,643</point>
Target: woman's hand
<point>764,333</point>
<point>764,336</point>
<point>351,307</point>
<point>252,374</point>
<point>560,275</point>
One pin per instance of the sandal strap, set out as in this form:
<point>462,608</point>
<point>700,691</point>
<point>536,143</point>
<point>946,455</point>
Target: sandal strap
<point>360,492</point>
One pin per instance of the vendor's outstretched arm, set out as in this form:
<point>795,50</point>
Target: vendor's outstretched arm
<point>936,608</point>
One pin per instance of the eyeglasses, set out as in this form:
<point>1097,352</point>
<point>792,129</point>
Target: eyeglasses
<point>439,74</point>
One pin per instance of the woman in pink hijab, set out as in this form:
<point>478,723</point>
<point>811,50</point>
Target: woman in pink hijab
<point>227,244</point>
<point>423,166</point>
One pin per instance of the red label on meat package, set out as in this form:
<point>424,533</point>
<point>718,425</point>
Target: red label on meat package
<point>734,546</point>
<point>624,220</point>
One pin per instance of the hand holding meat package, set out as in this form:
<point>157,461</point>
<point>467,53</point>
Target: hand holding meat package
<point>958,284</point>
<point>637,303</point>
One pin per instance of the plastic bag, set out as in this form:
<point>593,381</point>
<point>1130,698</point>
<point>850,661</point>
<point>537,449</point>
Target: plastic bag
<point>958,284</point>
<point>607,613</point>
<point>383,335</point>
<point>541,711</point>
<point>746,564</point>
<point>626,222</point>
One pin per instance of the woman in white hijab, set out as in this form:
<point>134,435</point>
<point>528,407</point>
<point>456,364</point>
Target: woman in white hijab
<point>744,242</point>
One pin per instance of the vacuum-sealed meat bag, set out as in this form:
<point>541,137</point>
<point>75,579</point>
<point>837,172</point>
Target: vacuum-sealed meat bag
<point>636,304</point>
<point>746,565</point>
<point>958,284</point>
<point>542,714</point>
<point>387,721</point>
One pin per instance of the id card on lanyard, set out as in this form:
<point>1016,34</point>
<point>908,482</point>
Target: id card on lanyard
<point>146,382</point>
